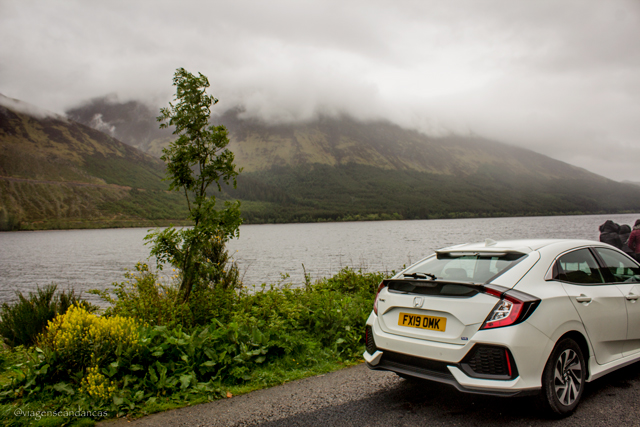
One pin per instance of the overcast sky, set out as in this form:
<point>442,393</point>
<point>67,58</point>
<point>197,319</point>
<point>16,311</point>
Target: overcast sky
<point>559,77</point>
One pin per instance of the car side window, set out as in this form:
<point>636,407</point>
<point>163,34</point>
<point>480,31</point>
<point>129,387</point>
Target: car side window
<point>578,267</point>
<point>621,268</point>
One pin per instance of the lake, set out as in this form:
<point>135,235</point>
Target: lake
<point>93,259</point>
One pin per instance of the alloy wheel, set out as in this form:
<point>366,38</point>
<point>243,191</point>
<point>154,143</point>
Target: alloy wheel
<point>567,377</point>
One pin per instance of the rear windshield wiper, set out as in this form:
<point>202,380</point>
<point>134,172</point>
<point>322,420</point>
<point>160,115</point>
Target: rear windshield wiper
<point>421,276</point>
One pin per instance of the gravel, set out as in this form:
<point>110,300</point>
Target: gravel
<point>358,396</point>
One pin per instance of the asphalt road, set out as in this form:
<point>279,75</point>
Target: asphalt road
<point>360,397</point>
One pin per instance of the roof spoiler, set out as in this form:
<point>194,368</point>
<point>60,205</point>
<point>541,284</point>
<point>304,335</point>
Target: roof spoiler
<point>485,251</point>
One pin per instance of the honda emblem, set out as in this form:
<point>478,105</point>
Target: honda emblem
<point>418,301</point>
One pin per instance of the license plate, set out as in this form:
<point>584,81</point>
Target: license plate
<point>421,321</point>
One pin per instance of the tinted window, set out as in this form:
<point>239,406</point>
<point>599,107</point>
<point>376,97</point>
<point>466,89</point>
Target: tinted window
<point>466,267</point>
<point>578,267</point>
<point>622,269</point>
<point>432,289</point>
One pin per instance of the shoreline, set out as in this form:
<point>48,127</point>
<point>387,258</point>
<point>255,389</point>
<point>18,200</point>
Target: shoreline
<point>46,225</point>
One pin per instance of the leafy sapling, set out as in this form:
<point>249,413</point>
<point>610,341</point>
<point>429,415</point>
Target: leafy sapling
<point>198,158</point>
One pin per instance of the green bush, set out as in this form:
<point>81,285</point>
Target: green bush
<point>332,312</point>
<point>24,320</point>
<point>112,363</point>
<point>224,273</point>
<point>145,297</point>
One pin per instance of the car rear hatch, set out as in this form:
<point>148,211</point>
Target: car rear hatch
<point>426,303</point>
<point>437,311</point>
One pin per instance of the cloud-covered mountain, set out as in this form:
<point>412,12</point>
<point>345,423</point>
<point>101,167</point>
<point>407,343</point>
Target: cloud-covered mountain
<point>57,173</point>
<point>336,167</point>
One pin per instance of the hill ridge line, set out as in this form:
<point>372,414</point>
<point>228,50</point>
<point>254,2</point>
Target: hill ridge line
<point>74,183</point>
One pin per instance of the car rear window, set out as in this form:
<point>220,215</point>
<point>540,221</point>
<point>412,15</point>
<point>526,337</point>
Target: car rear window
<point>432,288</point>
<point>465,266</point>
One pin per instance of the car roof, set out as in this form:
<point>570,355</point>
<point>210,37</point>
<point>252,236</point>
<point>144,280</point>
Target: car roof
<point>524,246</point>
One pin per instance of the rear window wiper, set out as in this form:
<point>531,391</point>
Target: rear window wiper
<point>421,276</point>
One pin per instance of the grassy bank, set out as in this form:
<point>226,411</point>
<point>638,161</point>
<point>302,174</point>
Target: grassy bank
<point>147,354</point>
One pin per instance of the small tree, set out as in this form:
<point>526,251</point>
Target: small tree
<point>197,159</point>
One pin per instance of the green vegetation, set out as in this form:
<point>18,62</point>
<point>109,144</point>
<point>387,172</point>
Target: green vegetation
<point>126,171</point>
<point>146,354</point>
<point>196,159</point>
<point>23,321</point>
<point>359,192</point>
<point>153,205</point>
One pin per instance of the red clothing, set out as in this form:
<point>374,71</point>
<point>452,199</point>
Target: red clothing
<point>634,241</point>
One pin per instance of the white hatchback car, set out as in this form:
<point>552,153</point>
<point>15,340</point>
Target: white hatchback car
<point>509,318</point>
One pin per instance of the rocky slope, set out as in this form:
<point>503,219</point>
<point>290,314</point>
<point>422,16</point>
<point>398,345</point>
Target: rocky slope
<point>55,172</point>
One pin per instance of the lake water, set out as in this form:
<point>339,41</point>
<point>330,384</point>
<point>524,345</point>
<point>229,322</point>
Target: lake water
<point>93,259</point>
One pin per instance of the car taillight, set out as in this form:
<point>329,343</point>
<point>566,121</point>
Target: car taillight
<point>375,304</point>
<point>514,307</point>
<point>505,313</point>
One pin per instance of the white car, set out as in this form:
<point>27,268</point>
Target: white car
<point>510,318</point>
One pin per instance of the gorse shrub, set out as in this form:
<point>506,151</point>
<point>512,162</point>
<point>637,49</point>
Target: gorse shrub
<point>81,339</point>
<point>24,320</point>
<point>97,386</point>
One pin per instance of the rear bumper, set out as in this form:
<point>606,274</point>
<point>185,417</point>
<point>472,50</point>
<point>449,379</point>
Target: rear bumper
<point>455,377</point>
<point>441,362</point>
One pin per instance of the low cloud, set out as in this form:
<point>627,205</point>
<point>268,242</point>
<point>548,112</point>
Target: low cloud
<point>99,124</point>
<point>28,109</point>
<point>559,78</point>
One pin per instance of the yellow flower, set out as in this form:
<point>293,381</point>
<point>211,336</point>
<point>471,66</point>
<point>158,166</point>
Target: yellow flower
<point>80,332</point>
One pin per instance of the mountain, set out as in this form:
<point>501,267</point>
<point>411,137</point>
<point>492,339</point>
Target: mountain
<point>57,173</point>
<point>132,122</point>
<point>338,168</point>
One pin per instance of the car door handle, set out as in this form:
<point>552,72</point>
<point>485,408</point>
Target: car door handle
<point>583,298</point>
<point>632,297</point>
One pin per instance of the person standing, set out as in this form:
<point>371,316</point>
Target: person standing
<point>609,233</point>
<point>634,240</point>
<point>624,233</point>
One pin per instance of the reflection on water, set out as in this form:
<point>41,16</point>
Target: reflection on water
<point>93,259</point>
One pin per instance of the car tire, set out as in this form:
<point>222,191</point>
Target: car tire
<point>564,378</point>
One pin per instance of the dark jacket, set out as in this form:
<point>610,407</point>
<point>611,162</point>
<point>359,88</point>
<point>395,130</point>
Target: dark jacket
<point>609,234</point>
<point>625,232</point>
